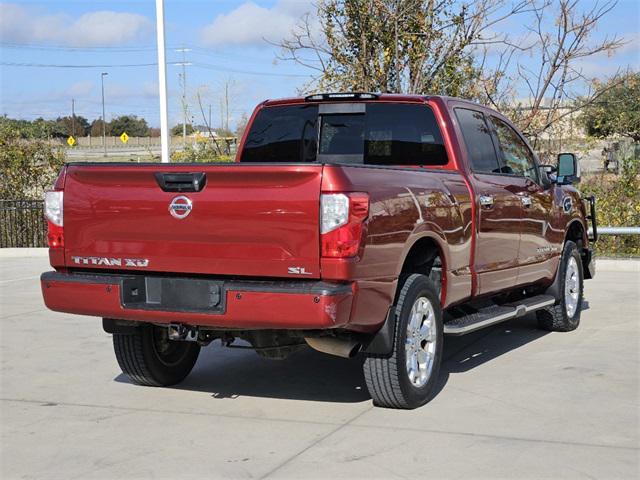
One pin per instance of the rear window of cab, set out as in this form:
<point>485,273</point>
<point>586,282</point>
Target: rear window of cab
<point>372,134</point>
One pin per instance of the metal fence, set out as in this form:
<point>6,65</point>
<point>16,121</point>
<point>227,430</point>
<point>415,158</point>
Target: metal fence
<point>22,223</point>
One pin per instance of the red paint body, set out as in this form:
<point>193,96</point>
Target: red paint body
<point>254,221</point>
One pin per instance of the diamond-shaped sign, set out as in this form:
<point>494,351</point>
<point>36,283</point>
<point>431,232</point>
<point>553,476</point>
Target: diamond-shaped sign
<point>124,138</point>
<point>71,141</point>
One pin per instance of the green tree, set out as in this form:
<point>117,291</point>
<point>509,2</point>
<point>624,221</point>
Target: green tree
<point>65,126</point>
<point>131,124</point>
<point>223,132</point>
<point>96,128</point>
<point>177,129</point>
<point>616,111</point>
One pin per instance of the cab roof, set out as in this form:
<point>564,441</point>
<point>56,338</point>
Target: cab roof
<point>348,97</point>
<point>362,97</point>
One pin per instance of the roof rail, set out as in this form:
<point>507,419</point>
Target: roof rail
<point>318,97</point>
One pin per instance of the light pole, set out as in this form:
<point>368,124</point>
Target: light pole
<point>162,82</point>
<point>104,119</point>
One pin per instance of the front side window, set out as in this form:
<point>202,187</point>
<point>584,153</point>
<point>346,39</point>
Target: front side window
<point>517,158</point>
<point>477,139</point>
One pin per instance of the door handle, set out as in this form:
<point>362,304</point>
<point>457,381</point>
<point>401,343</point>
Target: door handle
<point>526,201</point>
<point>486,201</point>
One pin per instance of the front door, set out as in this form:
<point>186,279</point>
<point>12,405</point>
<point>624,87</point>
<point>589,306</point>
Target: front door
<point>498,207</point>
<point>537,255</point>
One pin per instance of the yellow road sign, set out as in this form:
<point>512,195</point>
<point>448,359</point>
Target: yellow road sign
<point>71,141</point>
<point>124,138</point>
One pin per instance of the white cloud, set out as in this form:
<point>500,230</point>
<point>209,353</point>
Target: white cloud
<point>251,24</point>
<point>99,28</point>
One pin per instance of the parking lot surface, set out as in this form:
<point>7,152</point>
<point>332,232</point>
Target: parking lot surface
<point>515,402</point>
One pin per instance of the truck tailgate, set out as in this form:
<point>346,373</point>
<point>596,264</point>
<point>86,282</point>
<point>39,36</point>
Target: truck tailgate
<point>249,220</point>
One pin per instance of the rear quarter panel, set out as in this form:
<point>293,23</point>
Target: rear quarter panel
<point>406,205</point>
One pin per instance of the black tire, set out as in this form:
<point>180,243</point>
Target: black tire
<point>149,358</point>
<point>556,318</point>
<point>386,377</point>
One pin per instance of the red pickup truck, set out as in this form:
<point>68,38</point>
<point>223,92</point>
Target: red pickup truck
<point>351,222</point>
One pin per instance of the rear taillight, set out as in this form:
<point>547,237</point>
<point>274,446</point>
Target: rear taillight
<point>53,211</point>
<point>342,217</point>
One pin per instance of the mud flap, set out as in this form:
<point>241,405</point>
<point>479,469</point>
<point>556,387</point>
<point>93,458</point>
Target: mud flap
<point>382,342</point>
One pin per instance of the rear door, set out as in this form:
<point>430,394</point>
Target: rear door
<point>498,206</point>
<point>249,220</point>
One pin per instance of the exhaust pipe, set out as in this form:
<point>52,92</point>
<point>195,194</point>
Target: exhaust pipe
<point>335,346</point>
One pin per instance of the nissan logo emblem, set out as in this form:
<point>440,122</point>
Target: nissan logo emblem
<point>180,207</point>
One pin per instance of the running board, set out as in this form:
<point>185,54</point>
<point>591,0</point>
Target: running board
<point>496,314</point>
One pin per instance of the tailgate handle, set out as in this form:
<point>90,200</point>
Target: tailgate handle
<point>181,182</point>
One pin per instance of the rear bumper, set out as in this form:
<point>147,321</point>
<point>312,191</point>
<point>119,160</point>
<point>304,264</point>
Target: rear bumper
<point>243,304</point>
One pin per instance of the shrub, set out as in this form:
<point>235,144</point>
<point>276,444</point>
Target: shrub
<point>29,167</point>
<point>618,205</point>
<point>202,152</point>
<point>29,164</point>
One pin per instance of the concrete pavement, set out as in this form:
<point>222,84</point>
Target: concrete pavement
<point>515,402</point>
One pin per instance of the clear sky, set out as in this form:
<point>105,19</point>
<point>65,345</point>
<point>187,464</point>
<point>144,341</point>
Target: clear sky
<point>227,42</point>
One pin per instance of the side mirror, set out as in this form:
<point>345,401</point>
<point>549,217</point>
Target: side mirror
<point>568,169</point>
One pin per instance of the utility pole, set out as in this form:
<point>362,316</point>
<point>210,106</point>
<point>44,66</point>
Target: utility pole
<point>73,117</point>
<point>221,113</point>
<point>209,126</point>
<point>104,118</point>
<point>162,82</point>
<point>226,105</point>
<point>184,64</point>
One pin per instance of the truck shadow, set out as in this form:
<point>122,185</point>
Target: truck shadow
<point>309,375</point>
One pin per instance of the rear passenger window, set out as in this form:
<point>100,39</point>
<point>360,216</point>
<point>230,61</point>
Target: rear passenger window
<point>283,134</point>
<point>477,139</point>
<point>402,134</point>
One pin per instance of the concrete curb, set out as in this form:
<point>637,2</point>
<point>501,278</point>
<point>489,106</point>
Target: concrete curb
<point>602,264</point>
<point>617,265</point>
<point>23,252</point>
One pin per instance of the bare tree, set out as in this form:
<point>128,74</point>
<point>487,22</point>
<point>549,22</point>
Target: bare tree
<point>212,137</point>
<point>457,48</point>
<point>413,46</point>
<point>550,83</point>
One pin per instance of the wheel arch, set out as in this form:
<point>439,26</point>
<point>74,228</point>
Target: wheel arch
<point>420,257</point>
<point>576,232</point>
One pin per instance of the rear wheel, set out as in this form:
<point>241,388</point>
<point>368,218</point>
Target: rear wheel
<point>564,316</point>
<point>148,357</point>
<point>406,378</point>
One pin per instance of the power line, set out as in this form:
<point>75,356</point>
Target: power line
<point>50,65</point>
<point>111,49</point>
<point>46,47</point>
<point>220,68</point>
<point>207,66</point>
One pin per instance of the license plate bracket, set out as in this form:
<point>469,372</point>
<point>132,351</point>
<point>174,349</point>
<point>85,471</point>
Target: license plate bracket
<point>174,294</point>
